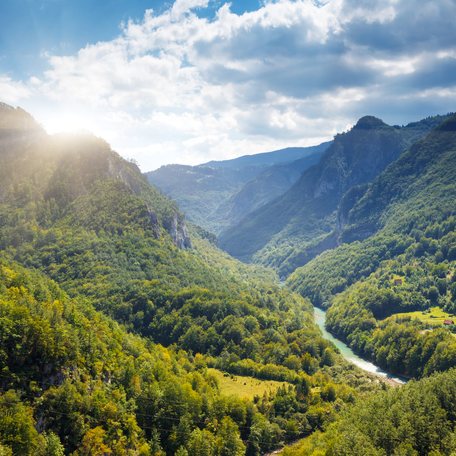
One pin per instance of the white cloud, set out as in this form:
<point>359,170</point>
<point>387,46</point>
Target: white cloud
<point>181,7</point>
<point>12,91</point>
<point>176,87</point>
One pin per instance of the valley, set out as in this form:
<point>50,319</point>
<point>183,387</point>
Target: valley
<point>372,243</point>
<point>125,328</point>
<point>227,228</point>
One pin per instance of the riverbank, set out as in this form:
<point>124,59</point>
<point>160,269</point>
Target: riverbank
<point>349,355</point>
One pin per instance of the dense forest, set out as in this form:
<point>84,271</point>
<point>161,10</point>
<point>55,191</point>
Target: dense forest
<point>74,381</point>
<point>417,419</point>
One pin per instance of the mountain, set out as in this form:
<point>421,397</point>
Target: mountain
<point>396,270</point>
<point>297,226</point>
<point>99,272</point>
<point>267,186</point>
<point>217,194</point>
<point>266,159</point>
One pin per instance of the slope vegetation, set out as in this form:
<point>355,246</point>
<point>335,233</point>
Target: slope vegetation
<point>418,419</point>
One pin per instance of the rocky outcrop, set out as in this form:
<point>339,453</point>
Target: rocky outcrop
<point>126,172</point>
<point>178,231</point>
<point>153,221</point>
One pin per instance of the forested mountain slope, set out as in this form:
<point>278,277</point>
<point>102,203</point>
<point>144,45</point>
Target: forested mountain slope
<point>418,419</point>
<point>217,194</point>
<point>86,241</point>
<point>295,227</point>
<point>382,288</point>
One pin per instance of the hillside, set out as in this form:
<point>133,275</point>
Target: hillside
<point>294,228</point>
<point>217,194</point>
<point>417,419</point>
<point>267,186</point>
<point>96,269</point>
<point>403,260</point>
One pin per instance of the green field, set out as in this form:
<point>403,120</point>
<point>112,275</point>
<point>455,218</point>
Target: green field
<point>434,316</point>
<point>244,387</point>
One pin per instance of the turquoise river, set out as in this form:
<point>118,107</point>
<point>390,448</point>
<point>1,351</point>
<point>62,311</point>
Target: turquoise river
<point>347,352</point>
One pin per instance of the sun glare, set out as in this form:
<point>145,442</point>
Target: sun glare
<point>67,123</point>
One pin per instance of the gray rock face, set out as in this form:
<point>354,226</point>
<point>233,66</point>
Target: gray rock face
<point>154,223</point>
<point>178,231</point>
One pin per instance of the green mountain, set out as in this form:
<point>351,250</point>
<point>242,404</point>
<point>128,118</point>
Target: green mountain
<point>98,272</point>
<point>300,224</point>
<point>217,194</point>
<point>385,288</point>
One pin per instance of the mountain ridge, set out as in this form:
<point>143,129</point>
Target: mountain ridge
<point>289,231</point>
<point>397,263</point>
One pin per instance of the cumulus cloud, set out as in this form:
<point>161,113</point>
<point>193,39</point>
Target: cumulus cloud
<point>180,87</point>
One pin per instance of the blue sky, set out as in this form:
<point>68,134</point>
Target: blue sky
<point>188,81</point>
<point>29,29</point>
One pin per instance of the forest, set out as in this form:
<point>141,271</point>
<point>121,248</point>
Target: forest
<point>227,228</point>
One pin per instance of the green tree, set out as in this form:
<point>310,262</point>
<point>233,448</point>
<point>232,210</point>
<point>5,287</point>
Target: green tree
<point>229,442</point>
<point>17,426</point>
<point>201,443</point>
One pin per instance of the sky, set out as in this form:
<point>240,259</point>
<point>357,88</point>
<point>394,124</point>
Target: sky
<point>188,81</point>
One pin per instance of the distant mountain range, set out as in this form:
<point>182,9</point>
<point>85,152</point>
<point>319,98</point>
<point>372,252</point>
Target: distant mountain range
<point>218,194</point>
<point>295,227</point>
<point>283,208</point>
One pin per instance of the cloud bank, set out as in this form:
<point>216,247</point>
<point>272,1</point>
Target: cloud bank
<point>180,87</point>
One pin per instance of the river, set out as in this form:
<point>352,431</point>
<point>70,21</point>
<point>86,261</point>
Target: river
<point>347,352</point>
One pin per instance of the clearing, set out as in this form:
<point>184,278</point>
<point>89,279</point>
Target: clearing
<point>244,387</point>
<point>435,316</point>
